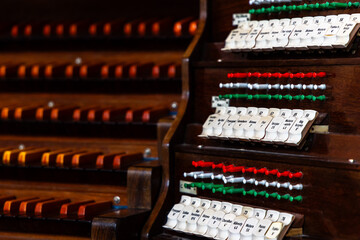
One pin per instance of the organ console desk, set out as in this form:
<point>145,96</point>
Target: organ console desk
<point>88,90</point>
<point>265,144</point>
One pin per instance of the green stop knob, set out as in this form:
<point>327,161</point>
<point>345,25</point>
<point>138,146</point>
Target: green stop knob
<point>321,98</point>
<point>221,189</point>
<point>356,4</point>
<point>233,190</point>
<point>285,197</point>
<point>274,195</point>
<point>250,192</point>
<point>298,198</point>
<point>210,186</point>
<point>251,11</point>
<point>287,97</point>
<point>299,97</point>
<point>263,194</point>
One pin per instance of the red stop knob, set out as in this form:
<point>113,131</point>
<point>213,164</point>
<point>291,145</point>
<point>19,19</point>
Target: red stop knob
<point>234,169</point>
<point>261,170</point>
<point>283,174</point>
<point>296,175</point>
<point>220,165</point>
<point>272,172</point>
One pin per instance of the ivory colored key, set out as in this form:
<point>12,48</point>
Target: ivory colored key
<point>64,159</point>
<point>227,130</point>
<point>295,37</point>
<point>310,114</point>
<point>261,229</point>
<point>214,223</point>
<point>28,157</point>
<point>275,32</point>
<point>248,229</point>
<point>72,207</point>
<point>114,115</point>
<point>345,34</point>
<point>154,114</point>
<point>249,128</point>
<point>208,125</point>
<point>236,209</point>
<point>50,207</point>
<point>239,126</point>
<point>49,158</point>
<point>297,113</point>
<point>12,206</point>
<point>85,159</point>
<point>260,128</point>
<point>274,231</point>
<point>221,120</point>
<point>230,41</point>
<point>236,227</point>
<point>261,40</point>
<point>126,160</point>
<point>11,156</point>
<point>306,36</point>
<point>173,216</point>
<point>285,218</point>
<point>250,40</point>
<point>106,161</point>
<point>28,207</point>
<point>259,213</point>
<point>247,212</point>
<point>62,113</point>
<point>282,39</point>
<point>183,217</point>
<point>240,38</point>
<point>272,215</point>
<point>185,200</point>
<point>298,131</point>
<point>95,208</point>
<point>23,113</point>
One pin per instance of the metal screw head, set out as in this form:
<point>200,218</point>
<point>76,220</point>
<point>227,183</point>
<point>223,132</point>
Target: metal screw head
<point>116,200</point>
<point>351,160</point>
<point>78,60</point>
<point>200,146</point>
<point>174,105</point>
<point>147,152</point>
<point>21,146</point>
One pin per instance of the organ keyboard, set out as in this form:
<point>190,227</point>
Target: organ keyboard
<point>268,124</point>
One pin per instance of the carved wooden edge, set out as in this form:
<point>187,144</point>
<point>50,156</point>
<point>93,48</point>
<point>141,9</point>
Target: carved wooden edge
<point>153,225</point>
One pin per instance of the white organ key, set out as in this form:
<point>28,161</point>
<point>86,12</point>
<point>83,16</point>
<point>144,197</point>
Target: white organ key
<point>251,39</point>
<point>173,215</point>
<point>220,121</point>
<point>285,218</point>
<point>208,125</point>
<point>261,229</point>
<point>203,222</point>
<point>272,129</point>
<point>247,230</point>
<point>330,34</point>
<point>247,212</point>
<point>205,204</point>
<point>224,226</point>
<point>226,207</point>
<point>285,113</point>
<point>306,36</point>
<point>262,112</point>
<point>252,111</point>
<point>319,20</point>
<point>274,231</point>
<point>355,17</point>
<point>215,205</point>
<point>249,128</point>
<point>183,217</point>
<point>238,130</point>
<point>343,35</point>
<point>310,114</point>
<point>297,113</point>
<point>185,200</point>
<point>260,128</point>
<point>297,131</point>
<point>274,112</point>
<point>272,215</point>
<point>240,38</point>
<point>227,128</point>
<point>271,41</point>
<point>237,209</point>
<point>259,213</point>
<point>191,223</point>
<point>230,40</point>
<point>283,130</point>
<point>235,228</point>
<point>295,36</point>
<point>283,38</point>
<point>318,38</point>
<point>214,223</point>
<point>261,40</point>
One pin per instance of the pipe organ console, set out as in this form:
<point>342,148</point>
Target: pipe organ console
<point>88,91</point>
<point>265,145</point>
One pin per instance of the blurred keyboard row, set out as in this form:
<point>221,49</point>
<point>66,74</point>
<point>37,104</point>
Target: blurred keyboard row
<point>84,114</point>
<point>149,70</point>
<point>153,27</point>
<point>69,158</point>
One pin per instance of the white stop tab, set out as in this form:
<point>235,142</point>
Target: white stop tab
<point>343,35</point>
<point>183,217</point>
<point>203,222</point>
<point>215,205</point>
<point>208,125</point>
<point>251,39</point>
<point>261,39</point>
<point>272,129</point>
<point>236,226</point>
<point>294,38</point>
<point>173,215</point>
<point>272,215</point>
<point>274,231</point>
<point>230,40</point>
<point>283,130</point>
<point>285,218</point>
<point>214,223</point>
<point>238,130</point>
<point>319,36</point>
<point>283,37</point>
<point>247,230</point>
<point>249,128</point>
<point>224,226</point>
<point>259,213</point>
<point>227,130</point>
<point>237,209</point>
<point>247,212</point>
<point>226,207</point>
<point>310,114</point>
<point>191,223</point>
<point>271,41</point>
<point>261,228</point>
<point>297,131</point>
<point>185,200</point>
<point>260,128</point>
